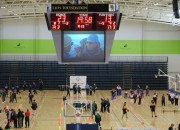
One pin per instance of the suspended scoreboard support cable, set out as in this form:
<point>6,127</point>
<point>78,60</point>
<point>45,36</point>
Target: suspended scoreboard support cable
<point>102,20</point>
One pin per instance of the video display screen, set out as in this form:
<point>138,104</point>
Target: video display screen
<point>83,46</point>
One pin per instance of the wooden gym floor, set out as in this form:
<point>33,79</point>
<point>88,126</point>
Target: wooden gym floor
<point>49,115</point>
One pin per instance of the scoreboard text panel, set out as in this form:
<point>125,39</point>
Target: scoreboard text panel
<point>83,21</point>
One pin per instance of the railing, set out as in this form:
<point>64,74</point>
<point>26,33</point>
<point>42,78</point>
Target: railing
<point>53,57</point>
<point>139,58</point>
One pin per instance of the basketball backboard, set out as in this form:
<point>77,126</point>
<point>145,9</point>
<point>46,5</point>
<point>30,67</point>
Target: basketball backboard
<point>82,108</point>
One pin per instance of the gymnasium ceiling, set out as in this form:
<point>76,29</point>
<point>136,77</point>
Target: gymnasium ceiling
<point>159,11</point>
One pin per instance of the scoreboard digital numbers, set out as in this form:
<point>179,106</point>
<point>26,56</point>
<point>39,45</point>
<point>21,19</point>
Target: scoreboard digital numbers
<point>83,21</point>
<point>106,21</point>
<point>60,21</point>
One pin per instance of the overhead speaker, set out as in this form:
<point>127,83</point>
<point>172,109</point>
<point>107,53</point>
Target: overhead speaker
<point>176,14</point>
<point>175,5</point>
<point>175,8</point>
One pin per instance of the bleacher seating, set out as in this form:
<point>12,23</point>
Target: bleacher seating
<point>106,76</point>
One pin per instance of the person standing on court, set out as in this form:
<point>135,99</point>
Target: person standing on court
<point>163,100</point>
<point>14,95</point>
<point>75,88</point>
<point>87,89</point>
<point>94,108</point>
<point>176,98</point>
<point>34,87</point>
<point>79,90</point>
<point>172,98</point>
<point>139,97</point>
<point>27,115</point>
<point>41,84</point>
<point>24,85</point>
<point>108,105</point>
<point>125,110</point>
<point>178,127</point>
<point>14,117</point>
<point>20,117</point>
<point>6,87</point>
<point>68,91</point>
<point>171,127</point>
<point>153,108</point>
<point>135,97</point>
<point>102,104</point>
<point>147,90</point>
<point>94,87</point>
<point>17,89</point>
<point>30,95</point>
<point>155,97</point>
<point>90,90</point>
<point>34,106</point>
<point>98,119</point>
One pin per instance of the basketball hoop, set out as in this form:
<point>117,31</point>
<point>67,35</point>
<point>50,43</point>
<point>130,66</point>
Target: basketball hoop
<point>78,116</point>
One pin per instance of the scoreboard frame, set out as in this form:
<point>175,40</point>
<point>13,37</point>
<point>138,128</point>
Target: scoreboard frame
<point>111,17</point>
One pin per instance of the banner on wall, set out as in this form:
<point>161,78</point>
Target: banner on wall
<point>79,80</point>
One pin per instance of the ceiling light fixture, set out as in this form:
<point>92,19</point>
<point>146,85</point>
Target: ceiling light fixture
<point>3,7</point>
<point>156,4</point>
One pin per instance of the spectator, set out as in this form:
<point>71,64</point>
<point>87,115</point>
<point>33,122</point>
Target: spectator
<point>27,115</point>
<point>15,118</point>
<point>20,117</point>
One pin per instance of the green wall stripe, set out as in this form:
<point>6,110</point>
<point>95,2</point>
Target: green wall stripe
<point>161,46</point>
<point>146,47</point>
<point>127,47</point>
<point>29,46</point>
